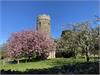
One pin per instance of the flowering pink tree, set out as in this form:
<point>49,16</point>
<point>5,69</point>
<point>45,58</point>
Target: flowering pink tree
<point>29,43</point>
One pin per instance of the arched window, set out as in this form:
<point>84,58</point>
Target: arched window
<point>48,23</point>
<point>39,23</point>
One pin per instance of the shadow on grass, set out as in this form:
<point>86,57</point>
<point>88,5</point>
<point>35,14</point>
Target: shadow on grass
<point>24,60</point>
<point>78,68</point>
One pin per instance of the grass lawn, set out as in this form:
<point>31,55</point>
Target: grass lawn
<point>40,64</point>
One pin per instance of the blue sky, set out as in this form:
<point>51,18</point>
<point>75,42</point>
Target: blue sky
<point>20,15</point>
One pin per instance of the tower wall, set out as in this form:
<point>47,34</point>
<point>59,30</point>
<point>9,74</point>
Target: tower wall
<point>43,23</point>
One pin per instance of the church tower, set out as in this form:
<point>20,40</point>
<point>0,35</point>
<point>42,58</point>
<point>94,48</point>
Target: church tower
<point>43,23</point>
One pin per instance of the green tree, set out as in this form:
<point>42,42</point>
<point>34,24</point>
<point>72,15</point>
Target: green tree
<point>85,39</point>
<point>95,41</point>
<point>68,41</point>
<point>3,49</point>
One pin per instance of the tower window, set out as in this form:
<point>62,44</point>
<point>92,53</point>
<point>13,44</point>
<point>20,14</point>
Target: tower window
<point>39,23</point>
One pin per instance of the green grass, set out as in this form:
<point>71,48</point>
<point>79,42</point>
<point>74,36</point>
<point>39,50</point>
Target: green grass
<point>40,64</point>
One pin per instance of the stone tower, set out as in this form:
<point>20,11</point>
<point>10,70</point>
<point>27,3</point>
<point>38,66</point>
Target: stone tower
<point>43,23</point>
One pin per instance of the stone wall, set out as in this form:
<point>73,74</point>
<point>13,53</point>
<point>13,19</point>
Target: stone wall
<point>43,23</point>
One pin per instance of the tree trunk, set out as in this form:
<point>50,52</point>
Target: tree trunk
<point>3,61</point>
<point>26,60</point>
<point>29,59</point>
<point>87,56</point>
<point>74,53</point>
<point>18,61</point>
<point>94,56</point>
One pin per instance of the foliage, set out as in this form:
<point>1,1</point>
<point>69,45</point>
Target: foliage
<point>29,44</point>
<point>81,39</point>
<point>96,39</point>
<point>68,41</point>
<point>3,49</point>
<point>87,39</point>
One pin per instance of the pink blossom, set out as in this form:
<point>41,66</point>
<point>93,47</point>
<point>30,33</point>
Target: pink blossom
<point>27,42</point>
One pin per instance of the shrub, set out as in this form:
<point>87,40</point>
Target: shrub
<point>65,54</point>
